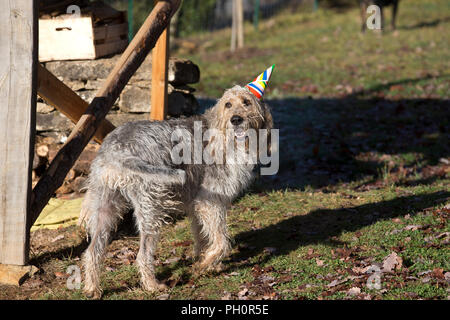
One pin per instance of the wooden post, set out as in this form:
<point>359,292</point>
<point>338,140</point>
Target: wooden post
<point>18,52</point>
<point>240,24</point>
<point>160,63</point>
<point>233,26</point>
<point>129,62</point>
<point>237,25</point>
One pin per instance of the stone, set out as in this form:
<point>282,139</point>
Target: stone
<point>42,107</point>
<point>76,73</point>
<point>181,103</point>
<point>54,121</point>
<point>82,70</point>
<point>119,119</point>
<point>134,99</point>
<point>94,84</point>
<point>87,95</point>
<point>75,85</point>
<point>15,275</point>
<point>183,71</point>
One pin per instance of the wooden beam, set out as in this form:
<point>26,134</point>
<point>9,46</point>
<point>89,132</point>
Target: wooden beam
<point>160,63</point>
<point>129,62</point>
<point>19,56</point>
<point>60,96</point>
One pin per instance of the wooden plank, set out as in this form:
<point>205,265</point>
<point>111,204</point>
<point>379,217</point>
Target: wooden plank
<point>18,52</point>
<point>110,47</point>
<point>127,65</point>
<point>160,63</point>
<point>60,96</point>
<point>110,31</point>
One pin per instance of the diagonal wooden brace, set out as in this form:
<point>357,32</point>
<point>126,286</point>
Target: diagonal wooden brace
<point>89,122</point>
<point>60,96</point>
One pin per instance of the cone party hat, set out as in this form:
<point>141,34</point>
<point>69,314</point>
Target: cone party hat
<point>260,83</point>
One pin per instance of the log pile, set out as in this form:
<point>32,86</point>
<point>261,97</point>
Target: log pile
<point>46,149</point>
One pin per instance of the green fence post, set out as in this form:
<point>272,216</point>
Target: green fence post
<point>256,14</point>
<point>316,5</point>
<point>130,20</point>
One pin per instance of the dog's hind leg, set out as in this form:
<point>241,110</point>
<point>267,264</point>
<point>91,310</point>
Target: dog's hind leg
<point>145,262</point>
<point>103,219</point>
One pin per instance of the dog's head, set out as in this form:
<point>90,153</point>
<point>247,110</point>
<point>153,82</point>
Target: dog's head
<point>240,110</point>
<point>237,111</point>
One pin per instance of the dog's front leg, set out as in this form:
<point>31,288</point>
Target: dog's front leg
<point>211,216</point>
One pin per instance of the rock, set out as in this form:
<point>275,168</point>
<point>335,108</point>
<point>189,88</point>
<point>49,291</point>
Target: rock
<point>75,85</point>
<point>94,84</point>
<point>180,103</point>
<point>183,72</point>
<point>135,99</point>
<point>53,121</point>
<point>76,73</point>
<point>87,95</point>
<point>42,107</point>
<point>119,119</point>
<point>82,70</point>
<point>15,275</point>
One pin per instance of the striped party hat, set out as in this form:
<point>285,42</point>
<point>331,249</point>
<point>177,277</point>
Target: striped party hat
<point>260,83</point>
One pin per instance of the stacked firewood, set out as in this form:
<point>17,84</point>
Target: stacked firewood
<point>46,149</point>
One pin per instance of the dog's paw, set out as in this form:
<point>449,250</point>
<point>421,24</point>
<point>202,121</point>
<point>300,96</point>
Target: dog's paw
<point>153,285</point>
<point>95,294</point>
<point>202,268</point>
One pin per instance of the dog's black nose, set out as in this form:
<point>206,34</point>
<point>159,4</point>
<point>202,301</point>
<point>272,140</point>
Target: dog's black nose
<point>236,120</point>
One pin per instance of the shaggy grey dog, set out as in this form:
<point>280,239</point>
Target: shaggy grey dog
<point>134,169</point>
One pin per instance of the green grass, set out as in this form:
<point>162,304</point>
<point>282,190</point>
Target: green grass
<point>323,54</point>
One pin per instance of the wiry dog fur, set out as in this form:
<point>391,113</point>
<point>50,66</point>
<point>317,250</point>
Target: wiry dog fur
<point>134,170</point>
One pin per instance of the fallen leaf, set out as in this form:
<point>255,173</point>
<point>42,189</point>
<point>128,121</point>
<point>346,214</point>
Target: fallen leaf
<point>392,262</point>
<point>242,293</point>
<point>226,296</point>
<point>61,274</point>
<point>438,273</point>
<point>354,291</point>
<point>319,262</point>
<point>412,227</point>
<point>163,297</point>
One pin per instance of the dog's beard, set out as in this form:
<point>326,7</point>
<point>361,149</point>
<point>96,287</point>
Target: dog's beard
<point>240,134</point>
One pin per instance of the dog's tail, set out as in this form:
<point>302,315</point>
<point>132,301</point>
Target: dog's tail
<point>159,174</point>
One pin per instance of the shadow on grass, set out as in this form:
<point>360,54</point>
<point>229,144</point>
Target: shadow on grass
<point>321,226</point>
<point>425,24</point>
<point>325,141</point>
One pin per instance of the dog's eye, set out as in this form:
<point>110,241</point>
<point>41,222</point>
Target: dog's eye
<point>228,105</point>
<point>246,102</point>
